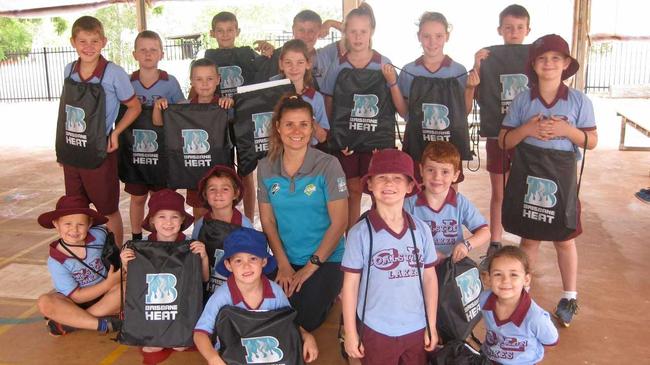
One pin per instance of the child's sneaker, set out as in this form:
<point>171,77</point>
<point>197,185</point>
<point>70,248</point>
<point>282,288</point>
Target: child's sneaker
<point>113,324</point>
<point>565,311</point>
<point>643,195</point>
<point>57,329</point>
<point>494,247</point>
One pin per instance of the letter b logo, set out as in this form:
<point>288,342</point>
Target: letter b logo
<point>161,289</point>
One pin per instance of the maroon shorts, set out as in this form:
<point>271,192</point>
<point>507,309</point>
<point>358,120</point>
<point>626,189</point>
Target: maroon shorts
<point>141,189</point>
<point>356,164</point>
<point>100,185</point>
<point>381,349</point>
<point>192,199</point>
<point>495,157</point>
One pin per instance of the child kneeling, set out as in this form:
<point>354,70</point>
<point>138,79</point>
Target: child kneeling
<point>246,257</point>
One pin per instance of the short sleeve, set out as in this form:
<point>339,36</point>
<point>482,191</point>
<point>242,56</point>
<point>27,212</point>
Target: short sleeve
<point>470,216</point>
<point>208,318</point>
<point>245,222</point>
<point>122,83</point>
<point>586,117</point>
<point>262,193</point>
<point>404,81</point>
<point>330,80</point>
<point>335,180</point>
<point>544,329</point>
<point>319,111</point>
<point>353,259</point>
<point>197,228</point>
<point>62,279</point>
<point>176,94</point>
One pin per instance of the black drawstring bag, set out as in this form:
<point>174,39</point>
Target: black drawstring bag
<point>81,127</point>
<point>436,113</point>
<point>459,310</point>
<point>363,116</point>
<point>237,67</point>
<point>258,337</point>
<point>212,234</point>
<point>163,295</point>
<point>458,352</point>
<point>142,158</point>
<point>196,138</point>
<point>252,125</point>
<point>503,76</point>
<point>267,67</point>
<point>541,196</point>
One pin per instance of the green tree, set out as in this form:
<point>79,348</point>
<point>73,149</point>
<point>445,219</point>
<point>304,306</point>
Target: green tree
<point>16,35</point>
<point>60,25</point>
<point>118,19</point>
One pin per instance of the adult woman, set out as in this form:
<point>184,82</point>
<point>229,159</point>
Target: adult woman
<point>303,208</point>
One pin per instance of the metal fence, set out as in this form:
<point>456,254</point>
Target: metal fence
<point>617,63</point>
<point>38,74</point>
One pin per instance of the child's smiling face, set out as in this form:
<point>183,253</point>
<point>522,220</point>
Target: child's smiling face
<point>508,277</point>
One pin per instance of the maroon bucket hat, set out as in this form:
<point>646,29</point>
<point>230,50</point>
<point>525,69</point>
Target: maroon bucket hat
<point>390,161</point>
<point>67,205</point>
<point>550,42</point>
<point>166,199</point>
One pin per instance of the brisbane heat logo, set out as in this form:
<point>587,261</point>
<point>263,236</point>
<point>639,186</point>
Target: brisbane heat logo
<point>365,106</point>
<point>161,289</point>
<point>74,119</point>
<point>512,84</point>
<point>435,117</point>
<point>231,77</point>
<point>262,350</point>
<point>262,123</point>
<point>145,141</point>
<point>541,192</point>
<point>195,141</point>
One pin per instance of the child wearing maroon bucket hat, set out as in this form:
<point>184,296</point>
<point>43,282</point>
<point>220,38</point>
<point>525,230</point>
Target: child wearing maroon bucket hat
<point>86,292</point>
<point>550,116</point>
<point>389,254</point>
<point>166,220</point>
<point>220,190</point>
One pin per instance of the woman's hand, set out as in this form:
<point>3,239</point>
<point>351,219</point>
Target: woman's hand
<point>300,277</point>
<point>285,277</point>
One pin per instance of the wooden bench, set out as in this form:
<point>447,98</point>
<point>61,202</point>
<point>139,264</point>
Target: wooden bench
<point>636,114</point>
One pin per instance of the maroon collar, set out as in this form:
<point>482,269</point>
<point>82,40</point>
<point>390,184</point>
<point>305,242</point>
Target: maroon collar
<point>236,218</point>
<point>378,223</point>
<point>517,317</point>
<point>376,58</point>
<point>195,100</point>
<point>451,199</point>
<point>98,72</point>
<point>309,92</point>
<point>162,75</point>
<point>237,297</point>
<point>179,238</point>
<point>446,62</point>
<point>562,93</point>
<point>60,256</point>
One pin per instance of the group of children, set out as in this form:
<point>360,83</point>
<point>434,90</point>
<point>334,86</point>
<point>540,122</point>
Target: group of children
<point>416,220</point>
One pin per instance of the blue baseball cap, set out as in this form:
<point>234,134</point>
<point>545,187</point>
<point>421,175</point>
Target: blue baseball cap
<point>249,241</point>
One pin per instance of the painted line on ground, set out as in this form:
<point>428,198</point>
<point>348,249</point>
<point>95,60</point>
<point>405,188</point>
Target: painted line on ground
<point>114,355</point>
<point>28,320</point>
<point>48,203</point>
<point>17,302</point>
<point>29,249</point>
<point>26,314</point>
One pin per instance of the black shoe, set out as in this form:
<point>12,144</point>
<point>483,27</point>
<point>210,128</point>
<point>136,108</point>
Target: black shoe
<point>114,324</point>
<point>57,329</point>
<point>565,311</point>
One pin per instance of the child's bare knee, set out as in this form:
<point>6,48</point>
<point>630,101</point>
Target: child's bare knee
<point>45,304</point>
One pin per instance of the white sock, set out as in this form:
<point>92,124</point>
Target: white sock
<point>570,294</point>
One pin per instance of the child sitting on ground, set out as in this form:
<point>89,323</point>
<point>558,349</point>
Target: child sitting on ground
<point>86,292</point>
<point>246,257</point>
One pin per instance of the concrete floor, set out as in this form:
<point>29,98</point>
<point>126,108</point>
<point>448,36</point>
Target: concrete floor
<point>612,326</point>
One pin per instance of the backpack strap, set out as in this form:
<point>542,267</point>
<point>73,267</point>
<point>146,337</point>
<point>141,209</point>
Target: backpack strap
<point>365,294</point>
<point>582,165</point>
<point>417,265</point>
<point>65,247</point>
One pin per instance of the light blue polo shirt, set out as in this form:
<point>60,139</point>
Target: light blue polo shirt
<point>395,305</point>
<point>166,87</point>
<point>68,274</point>
<point>446,224</point>
<point>448,68</point>
<point>570,104</point>
<point>273,298</point>
<point>520,339</point>
<point>327,88</point>
<point>116,83</point>
<point>300,203</point>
